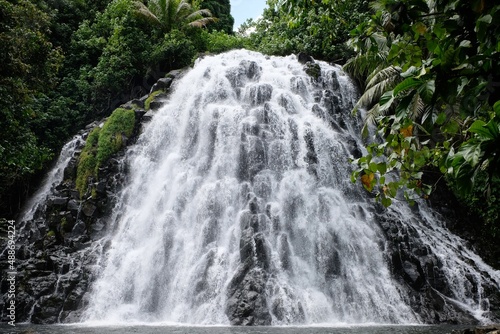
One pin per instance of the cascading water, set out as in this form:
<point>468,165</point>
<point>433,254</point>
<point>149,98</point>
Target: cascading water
<point>239,208</point>
<point>54,177</point>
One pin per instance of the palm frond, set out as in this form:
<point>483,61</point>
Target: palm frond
<point>372,114</point>
<point>371,96</point>
<point>416,107</point>
<point>362,65</point>
<point>146,13</point>
<point>202,22</point>
<point>380,40</point>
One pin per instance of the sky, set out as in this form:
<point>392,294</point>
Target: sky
<point>242,10</point>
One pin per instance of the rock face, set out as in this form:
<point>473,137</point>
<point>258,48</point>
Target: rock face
<point>422,273</point>
<point>57,249</point>
<point>247,303</point>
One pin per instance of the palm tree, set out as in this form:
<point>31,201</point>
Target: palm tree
<point>170,14</point>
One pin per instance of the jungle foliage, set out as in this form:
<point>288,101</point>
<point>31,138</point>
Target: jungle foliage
<point>318,28</point>
<point>431,78</point>
<point>66,62</point>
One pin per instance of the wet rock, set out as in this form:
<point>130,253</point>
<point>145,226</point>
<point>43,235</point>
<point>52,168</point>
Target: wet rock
<point>158,101</point>
<point>252,69</point>
<point>70,170</point>
<point>73,206</point>
<point>260,93</point>
<point>148,116</point>
<point>46,311</point>
<point>304,58</point>
<point>139,114</point>
<point>353,148</point>
<point>58,203</point>
<point>313,70</point>
<point>246,304</point>
<point>88,209</point>
<point>79,229</point>
<point>176,74</point>
<point>162,84</point>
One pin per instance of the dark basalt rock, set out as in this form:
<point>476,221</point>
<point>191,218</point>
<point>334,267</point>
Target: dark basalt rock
<point>246,304</point>
<point>161,84</point>
<point>158,101</point>
<point>304,58</point>
<point>261,93</point>
<point>420,271</point>
<point>313,70</point>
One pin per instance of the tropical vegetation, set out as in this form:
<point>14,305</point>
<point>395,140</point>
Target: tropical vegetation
<point>428,70</point>
<point>430,73</point>
<point>65,63</point>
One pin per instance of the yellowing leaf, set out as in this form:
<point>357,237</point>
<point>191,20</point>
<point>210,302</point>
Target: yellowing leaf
<point>367,179</point>
<point>407,132</point>
<point>420,28</point>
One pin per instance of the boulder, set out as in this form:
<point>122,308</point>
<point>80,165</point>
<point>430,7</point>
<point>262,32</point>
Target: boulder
<point>162,84</point>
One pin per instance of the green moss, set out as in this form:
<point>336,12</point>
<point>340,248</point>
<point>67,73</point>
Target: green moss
<point>51,234</point>
<point>65,226</point>
<point>121,122</point>
<point>313,70</point>
<point>88,162</point>
<point>151,98</point>
<point>102,144</point>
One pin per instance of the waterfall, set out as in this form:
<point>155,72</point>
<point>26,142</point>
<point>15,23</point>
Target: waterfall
<point>239,209</point>
<point>52,179</point>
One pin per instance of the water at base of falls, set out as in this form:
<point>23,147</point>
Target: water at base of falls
<point>152,329</point>
<point>239,207</point>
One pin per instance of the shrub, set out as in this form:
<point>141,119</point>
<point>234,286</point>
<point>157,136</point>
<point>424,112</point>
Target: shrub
<point>217,41</point>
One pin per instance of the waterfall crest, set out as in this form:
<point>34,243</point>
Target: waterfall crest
<point>239,209</point>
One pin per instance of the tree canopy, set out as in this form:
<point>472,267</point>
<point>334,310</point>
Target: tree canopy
<point>318,28</point>
<point>221,9</point>
<point>66,63</point>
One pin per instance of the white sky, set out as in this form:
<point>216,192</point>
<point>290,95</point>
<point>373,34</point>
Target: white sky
<point>242,10</point>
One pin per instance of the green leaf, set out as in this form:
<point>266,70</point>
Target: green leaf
<point>411,71</point>
<point>406,84</point>
<point>386,201</point>
<point>485,131</point>
<point>426,90</point>
<point>496,108</point>
<point>382,167</point>
<point>471,152</point>
<point>465,44</point>
<point>485,19</point>
<point>441,118</point>
<point>451,127</point>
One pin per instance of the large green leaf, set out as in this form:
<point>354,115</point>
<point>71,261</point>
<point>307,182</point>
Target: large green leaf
<point>406,84</point>
<point>426,90</point>
<point>471,152</point>
<point>485,131</point>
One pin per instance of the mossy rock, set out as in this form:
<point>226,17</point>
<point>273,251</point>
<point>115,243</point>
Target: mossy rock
<point>151,98</point>
<point>313,70</point>
<point>102,143</point>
